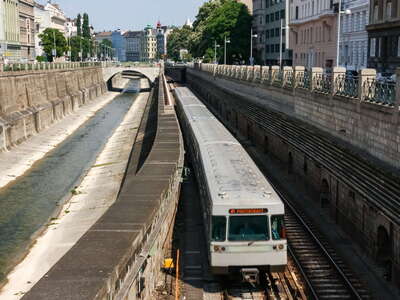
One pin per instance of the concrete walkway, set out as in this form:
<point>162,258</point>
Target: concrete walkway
<point>21,158</point>
<point>93,197</point>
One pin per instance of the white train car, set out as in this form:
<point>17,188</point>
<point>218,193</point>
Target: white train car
<point>243,215</point>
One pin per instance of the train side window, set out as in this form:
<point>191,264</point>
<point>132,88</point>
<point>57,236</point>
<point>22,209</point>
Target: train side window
<point>278,230</point>
<point>218,228</point>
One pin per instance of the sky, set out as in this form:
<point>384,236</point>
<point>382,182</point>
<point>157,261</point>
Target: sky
<point>131,14</point>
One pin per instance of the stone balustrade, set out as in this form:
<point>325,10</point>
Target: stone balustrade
<point>364,87</point>
<point>16,67</point>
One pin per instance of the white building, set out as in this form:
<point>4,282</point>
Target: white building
<point>70,28</point>
<point>354,37</point>
<point>48,16</point>
<point>10,46</point>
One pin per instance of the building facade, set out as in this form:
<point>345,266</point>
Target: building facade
<point>118,44</point>
<point>384,35</point>
<point>57,17</point>
<point>249,4</point>
<point>270,23</point>
<point>133,40</point>
<point>27,30</point>
<point>353,36</point>
<point>313,33</point>
<point>149,44</point>
<point>10,41</point>
<point>48,16</point>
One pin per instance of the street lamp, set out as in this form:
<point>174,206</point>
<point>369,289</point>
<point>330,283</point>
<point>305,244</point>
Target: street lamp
<point>346,12</point>
<point>251,46</point>
<point>215,51</point>
<point>281,42</point>
<point>226,42</point>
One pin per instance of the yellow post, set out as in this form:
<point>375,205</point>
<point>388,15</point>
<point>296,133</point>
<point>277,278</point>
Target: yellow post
<point>177,277</point>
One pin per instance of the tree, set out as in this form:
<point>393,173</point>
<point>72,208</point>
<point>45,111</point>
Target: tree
<point>79,25</point>
<point>104,44</point>
<point>178,39</point>
<point>85,26</point>
<point>49,37</point>
<point>220,19</point>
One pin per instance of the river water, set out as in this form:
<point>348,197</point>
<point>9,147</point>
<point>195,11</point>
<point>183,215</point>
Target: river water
<point>28,204</point>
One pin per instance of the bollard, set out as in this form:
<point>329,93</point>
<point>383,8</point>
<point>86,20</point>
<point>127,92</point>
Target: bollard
<point>365,79</point>
<point>273,74</point>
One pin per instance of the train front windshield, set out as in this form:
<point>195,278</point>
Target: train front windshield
<point>248,228</point>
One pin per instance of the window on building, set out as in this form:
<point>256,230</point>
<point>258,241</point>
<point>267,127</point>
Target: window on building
<point>277,16</point>
<point>272,32</point>
<point>297,12</point>
<point>267,49</point>
<point>277,33</point>
<point>267,19</point>
<point>398,46</point>
<point>282,13</point>
<point>277,48</point>
<point>261,20</point>
<point>266,3</point>
<point>267,34</point>
<point>388,10</point>
<point>272,18</point>
<point>372,47</point>
<point>376,12</point>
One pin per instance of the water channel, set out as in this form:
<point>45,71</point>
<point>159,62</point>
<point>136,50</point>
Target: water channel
<point>28,204</point>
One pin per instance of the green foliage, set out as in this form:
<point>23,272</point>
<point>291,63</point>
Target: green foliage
<point>178,39</point>
<point>215,20</point>
<point>41,58</point>
<point>79,25</point>
<point>85,26</point>
<point>50,36</point>
<point>77,43</point>
<point>106,42</point>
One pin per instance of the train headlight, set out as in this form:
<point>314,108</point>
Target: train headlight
<point>281,246</point>
<point>216,248</point>
<point>223,249</point>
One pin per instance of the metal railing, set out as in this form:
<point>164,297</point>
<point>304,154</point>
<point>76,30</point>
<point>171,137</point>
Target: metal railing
<point>346,86</point>
<point>323,83</point>
<point>380,92</point>
<point>363,87</point>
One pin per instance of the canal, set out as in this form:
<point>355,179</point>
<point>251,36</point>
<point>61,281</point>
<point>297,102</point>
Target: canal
<point>28,204</point>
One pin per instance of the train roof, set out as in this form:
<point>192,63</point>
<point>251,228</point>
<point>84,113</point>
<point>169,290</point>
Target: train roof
<point>233,178</point>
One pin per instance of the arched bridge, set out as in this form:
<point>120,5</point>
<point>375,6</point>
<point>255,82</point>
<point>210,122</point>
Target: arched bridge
<point>150,73</point>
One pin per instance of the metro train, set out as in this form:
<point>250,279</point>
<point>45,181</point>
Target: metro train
<point>243,215</point>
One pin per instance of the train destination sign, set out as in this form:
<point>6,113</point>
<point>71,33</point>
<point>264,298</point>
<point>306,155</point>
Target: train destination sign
<point>238,211</point>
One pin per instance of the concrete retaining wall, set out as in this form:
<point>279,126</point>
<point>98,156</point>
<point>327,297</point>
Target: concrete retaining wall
<point>372,128</point>
<point>32,101</point>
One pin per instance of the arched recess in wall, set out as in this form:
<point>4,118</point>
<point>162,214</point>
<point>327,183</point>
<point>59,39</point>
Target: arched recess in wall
<point>325,193</point>
<point>290,163</point>
<point>266,144</point>
<point>384,251</point>
<point>250,131</point>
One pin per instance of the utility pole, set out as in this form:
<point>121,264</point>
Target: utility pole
<point>54,45</point>
<point>347,12</point>
<point>215,51</point>
<point>280,45</point>
<point>226,42</point>
<point>251,46</point>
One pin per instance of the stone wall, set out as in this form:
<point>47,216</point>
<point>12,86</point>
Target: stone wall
<point>339,109</point>
<point>32,101</point>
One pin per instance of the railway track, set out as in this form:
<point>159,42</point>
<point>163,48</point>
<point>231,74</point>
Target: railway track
<point>379,188</point>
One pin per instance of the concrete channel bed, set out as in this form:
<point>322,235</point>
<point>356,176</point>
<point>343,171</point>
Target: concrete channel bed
<point>119,256</point>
